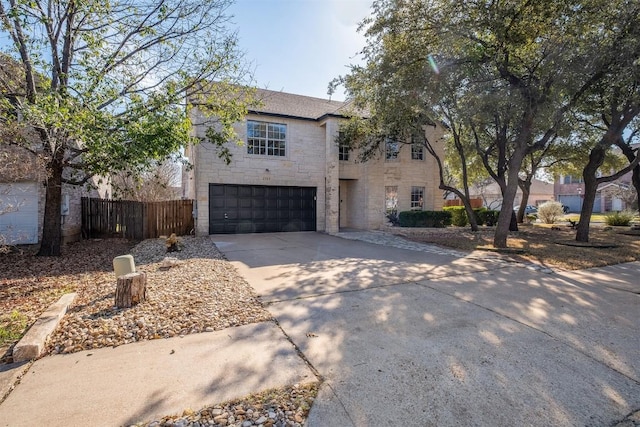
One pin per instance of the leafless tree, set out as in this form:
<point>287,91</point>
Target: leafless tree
<point>158,184</point>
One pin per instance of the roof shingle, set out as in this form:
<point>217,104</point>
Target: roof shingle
<point>306,107</point>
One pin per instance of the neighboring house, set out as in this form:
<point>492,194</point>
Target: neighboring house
<point>489,192</point>
<point>569,190</point>
<point>291,175</point>
<point>612,196</point>
<point>22,198</point>
<point>22,190</point>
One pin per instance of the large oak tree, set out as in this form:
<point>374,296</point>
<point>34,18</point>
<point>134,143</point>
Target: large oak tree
<point>518,68</point>
<point>104,84</point>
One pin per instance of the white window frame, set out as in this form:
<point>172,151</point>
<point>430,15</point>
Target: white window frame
<point>417,151</point>
<point>343,152</point>
<point>417,198</point>
<point>391,150</point>
<point>270,141</point>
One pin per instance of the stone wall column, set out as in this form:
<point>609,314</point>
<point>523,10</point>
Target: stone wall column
<point>332,178</point>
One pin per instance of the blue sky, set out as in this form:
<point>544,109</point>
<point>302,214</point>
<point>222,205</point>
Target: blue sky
<point>299,46</point>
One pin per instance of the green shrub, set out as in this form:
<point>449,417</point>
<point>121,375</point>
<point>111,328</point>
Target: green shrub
<point>487,216</point>
<point>458,215</point>
<point>550,212</point>
<point>483,216</point>
<point>437,219</point>
<point>622,218</point>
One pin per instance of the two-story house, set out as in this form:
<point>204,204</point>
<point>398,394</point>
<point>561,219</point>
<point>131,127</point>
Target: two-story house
<point>290,174</point>
<point>569,190</point>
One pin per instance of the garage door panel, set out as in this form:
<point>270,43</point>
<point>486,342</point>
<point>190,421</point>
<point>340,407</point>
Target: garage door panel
<point>260,209</point>
<point>215,215</point>
<point>271,214</point>
<point>216,191</point>
<point>245,214</point>
<point>217,202</point>
<point>271,203</point>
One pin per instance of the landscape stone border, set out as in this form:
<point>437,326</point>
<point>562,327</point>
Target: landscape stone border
<point>33,343</point>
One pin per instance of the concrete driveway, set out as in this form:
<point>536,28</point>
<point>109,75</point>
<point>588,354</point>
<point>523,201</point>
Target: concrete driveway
<point>420,338</point>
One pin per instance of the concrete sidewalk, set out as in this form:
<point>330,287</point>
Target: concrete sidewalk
<point>147,380</point>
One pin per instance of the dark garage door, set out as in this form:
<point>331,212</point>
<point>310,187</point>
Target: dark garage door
<point>261,209</point>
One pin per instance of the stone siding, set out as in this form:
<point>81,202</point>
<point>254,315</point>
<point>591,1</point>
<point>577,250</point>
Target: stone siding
<point>304,165</point>
<point>367,182</point>
<point>352,189</point>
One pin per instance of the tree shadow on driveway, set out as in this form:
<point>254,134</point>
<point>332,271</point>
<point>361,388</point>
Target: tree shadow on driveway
<point>424,339</point>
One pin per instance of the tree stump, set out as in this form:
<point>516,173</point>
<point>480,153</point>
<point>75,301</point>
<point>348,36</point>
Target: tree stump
<point>131,289</point>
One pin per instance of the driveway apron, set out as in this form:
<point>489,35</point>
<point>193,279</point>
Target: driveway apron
<point>420,338</point>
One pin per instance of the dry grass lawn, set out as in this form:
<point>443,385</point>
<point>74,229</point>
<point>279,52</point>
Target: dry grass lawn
<point>546,245</point>
<point>29,284</point>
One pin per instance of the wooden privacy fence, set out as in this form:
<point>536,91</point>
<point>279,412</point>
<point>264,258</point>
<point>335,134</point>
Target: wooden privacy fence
<point>136,220</point>
<point>475,203</point>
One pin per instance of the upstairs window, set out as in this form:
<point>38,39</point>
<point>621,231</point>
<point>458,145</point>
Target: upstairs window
<point>569,179</point>
<point>417,151</point>
<point>266,139</point>
<point>343,150</point>
<point>392,149</point>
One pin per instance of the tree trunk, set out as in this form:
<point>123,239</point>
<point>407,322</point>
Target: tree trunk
<point>589,175</point>
<point>507,218</point>
<point>630,154</point>
<point>131,289</point>
<point>470,214</point>
<point>52,226</point>
<point>525,186</point>
<point>635,179</point>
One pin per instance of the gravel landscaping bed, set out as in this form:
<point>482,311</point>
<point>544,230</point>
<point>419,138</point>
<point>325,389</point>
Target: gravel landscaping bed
<point>199,292</point>
<point>283,407</point>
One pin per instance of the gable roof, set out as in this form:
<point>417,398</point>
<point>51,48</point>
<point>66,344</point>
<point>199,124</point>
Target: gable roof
<point>620,185</point>
<point>282,104</point>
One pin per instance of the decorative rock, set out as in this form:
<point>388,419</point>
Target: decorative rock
<point>220,418</point>
<point>169,262</point>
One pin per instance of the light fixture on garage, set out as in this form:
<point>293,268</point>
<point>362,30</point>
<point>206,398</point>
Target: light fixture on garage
<point>267,170</point>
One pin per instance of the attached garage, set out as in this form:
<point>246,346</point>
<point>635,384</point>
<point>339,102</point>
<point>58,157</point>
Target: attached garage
<point>261,209</point>
<point>19,213</point>
<point>574,202</point>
